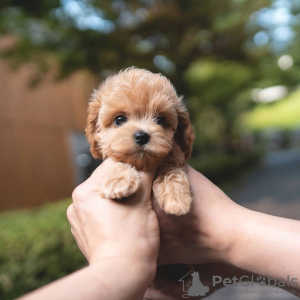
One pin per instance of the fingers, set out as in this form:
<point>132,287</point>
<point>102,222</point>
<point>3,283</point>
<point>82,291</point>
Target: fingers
<point>71,215</point>
<point>144,191</point>
<point>147,177</point>
<point>103,169</point>
<point>77,239</point>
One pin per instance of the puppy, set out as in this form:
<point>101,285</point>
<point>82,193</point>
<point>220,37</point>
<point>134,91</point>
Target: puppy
<point>136,118</point>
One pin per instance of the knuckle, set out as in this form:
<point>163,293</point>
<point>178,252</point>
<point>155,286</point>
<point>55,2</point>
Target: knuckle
<point>73,232</point>
<point>78,193</point>
<point>70,212</point>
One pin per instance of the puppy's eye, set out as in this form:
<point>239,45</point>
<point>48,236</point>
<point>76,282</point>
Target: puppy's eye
<point>120,120</point>
<point>160,120</point>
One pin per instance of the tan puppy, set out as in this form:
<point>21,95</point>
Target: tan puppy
<point>136,118</point>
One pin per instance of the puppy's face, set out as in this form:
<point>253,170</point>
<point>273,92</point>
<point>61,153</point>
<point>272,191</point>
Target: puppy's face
<point>133,117</point>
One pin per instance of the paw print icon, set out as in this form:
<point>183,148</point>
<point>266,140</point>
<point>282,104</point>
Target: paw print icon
<point>261,280</point>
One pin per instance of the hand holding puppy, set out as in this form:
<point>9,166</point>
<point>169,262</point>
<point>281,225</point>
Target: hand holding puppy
<point>120,239</point>
<point>126,233</point>
<point>114,230</point>
<point>206,234</point>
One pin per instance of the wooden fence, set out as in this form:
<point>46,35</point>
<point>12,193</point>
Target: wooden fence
<point>35,124</point>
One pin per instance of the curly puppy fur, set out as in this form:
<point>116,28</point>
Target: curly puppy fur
<point>147,103</point>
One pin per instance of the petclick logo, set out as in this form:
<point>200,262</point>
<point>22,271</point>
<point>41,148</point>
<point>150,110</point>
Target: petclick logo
<point>255,280</point>
<point>192,286</point>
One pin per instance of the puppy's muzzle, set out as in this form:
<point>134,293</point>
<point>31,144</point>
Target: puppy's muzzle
<point>141,138</point>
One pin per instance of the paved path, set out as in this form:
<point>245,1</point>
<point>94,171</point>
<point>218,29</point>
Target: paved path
<point>274,188</point>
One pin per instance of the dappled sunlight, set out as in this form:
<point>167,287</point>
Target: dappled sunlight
<point>284,114</point>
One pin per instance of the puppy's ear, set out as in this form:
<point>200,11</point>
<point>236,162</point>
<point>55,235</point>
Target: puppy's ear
<point>92,127</point>
<point>184,134</point>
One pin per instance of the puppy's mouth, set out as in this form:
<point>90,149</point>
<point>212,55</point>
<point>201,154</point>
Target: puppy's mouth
<point>143,152</point>
<point>138,152</point>
<point>141,157</point>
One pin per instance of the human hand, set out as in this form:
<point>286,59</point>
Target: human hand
<point>116,230</point>
<point>217,230</point>
<point>203,235</point>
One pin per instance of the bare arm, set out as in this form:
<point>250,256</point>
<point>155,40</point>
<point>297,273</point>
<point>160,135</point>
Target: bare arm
<point>217,230</point>
<point>120,239</point>
<point>108,279</point>
<point>268,246</point>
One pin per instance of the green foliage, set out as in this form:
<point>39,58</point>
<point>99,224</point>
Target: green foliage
<point>283,114</point>
<point>36,247</point>
<point>214,111</point>
<point>200,45</point>
<point>226,77</point>
<point>132,33</point>
<point>222,168</point>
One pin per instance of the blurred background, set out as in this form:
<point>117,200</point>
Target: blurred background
<point>237,63</point>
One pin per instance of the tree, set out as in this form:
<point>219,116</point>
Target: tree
<point>206,48</point>
<point>104,36</point>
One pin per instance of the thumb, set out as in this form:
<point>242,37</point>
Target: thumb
<point>101,171</point>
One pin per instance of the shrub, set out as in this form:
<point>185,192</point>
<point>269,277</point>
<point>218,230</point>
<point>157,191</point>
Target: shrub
<point>36,247</point>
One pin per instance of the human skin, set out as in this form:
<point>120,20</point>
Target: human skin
<point>120,239</point>
<point>227,238</point>
<point>218,236</point>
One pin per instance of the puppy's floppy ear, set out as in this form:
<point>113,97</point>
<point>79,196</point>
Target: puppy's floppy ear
<point>92,127</point>
<point>184,134</point>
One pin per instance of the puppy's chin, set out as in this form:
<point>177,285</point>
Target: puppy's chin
<point>142,161</point>
<point>146,157</point>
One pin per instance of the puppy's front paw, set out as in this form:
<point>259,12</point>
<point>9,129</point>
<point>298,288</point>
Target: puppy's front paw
<point>121,182</point>
<point>172,193</point>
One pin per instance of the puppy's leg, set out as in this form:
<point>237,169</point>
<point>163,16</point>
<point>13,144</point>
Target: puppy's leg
<point>171,190</point>
<point>121,181</point>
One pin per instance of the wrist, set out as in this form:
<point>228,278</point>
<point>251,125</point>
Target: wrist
<point>235,234</point>
<point>121,278</point>
<point>144,270</point>
<point>213,222</point>
<point>223,239</point>
<point>137,258</point>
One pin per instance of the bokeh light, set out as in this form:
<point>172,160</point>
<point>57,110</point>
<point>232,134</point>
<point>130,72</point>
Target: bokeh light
<point>285,62</point>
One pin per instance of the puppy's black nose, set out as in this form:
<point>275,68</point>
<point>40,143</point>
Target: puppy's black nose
<point>141,138</point>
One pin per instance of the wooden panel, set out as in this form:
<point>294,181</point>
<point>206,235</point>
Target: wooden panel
<point>34,128</point>
<point>10,177</point>
<point>81,87</point>
<point>37,167</point>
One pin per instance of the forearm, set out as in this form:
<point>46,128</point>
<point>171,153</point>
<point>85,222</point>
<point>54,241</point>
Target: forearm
<point>229,233</point>
<point>266,245</point>
<point>125,280</point>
